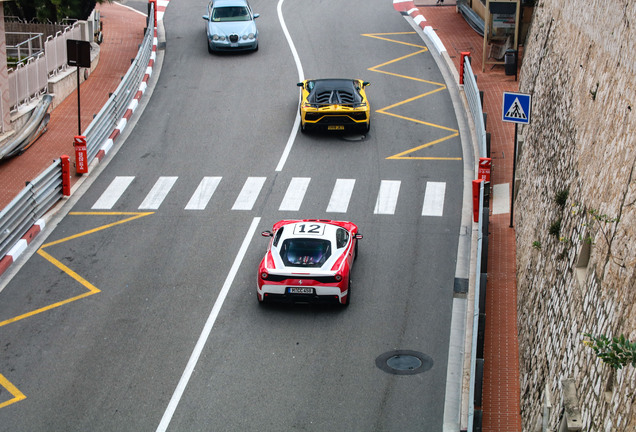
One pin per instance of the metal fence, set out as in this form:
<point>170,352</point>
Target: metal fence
<point>478,319</point>
<point>28,80</point>
<point>112,112</point>
<point>43,192</point>
<point>474,103</point>
<point>31,203</point>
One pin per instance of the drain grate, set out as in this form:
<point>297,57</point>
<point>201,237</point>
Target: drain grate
<point>404,362</point>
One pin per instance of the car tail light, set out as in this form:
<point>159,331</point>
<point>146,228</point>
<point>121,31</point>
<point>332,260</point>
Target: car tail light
<point>338,277</point>
<point>264,275</point>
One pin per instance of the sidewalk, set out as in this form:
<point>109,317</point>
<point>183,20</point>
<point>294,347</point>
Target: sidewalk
<point>123,32</point>
<point>501,385</point>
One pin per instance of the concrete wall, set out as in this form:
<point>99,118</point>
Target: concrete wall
<point>580,67</point>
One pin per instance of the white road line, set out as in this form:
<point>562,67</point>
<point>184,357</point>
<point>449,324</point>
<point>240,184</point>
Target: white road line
<point>112,193</point>
<point>249,193</point>
<point>387,197</point>
<point>301,77</point>
<point>341,195</point>
<point>199,200</point>
<point>295,194</point>
<point>501,198</point>
<point>434,199</point>
<point>207,329</point>
<point>158,193</point>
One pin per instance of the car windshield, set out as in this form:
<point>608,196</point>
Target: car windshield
<point>305,252</point>
<point>230,13</point>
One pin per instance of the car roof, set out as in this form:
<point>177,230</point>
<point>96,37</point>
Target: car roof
<point>223,3</point>
<point>324,231</point>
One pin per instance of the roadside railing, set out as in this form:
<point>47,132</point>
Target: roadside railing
<point>474,103</point>
<point>112,112</point>
<point>46,190</point>
<point>478,316</point>
<point>31,203</point>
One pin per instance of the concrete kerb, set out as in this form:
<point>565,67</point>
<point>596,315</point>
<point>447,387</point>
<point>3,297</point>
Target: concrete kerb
<point>29,244</point>
<point>459,359</point>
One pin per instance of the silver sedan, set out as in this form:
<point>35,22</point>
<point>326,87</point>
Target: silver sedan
<point>230,26</point>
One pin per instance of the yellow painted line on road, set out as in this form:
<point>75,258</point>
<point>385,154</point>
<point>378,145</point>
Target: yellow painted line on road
<point>17,394</point>
<point>403,154</point>
<point>385,110</point>
<point>92,289</point>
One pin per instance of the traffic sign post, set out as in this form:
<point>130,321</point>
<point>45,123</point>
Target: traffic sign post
<point>516,108</point>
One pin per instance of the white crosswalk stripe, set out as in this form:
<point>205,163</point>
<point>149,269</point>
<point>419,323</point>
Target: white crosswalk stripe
<point>341,195</point>
<point>249,193</point>
<point>158,193</point>
<point>112,193</point>
<point>434,199</point>
<point>203,194</point>
<point>387,197</point>
<point>295,194</point>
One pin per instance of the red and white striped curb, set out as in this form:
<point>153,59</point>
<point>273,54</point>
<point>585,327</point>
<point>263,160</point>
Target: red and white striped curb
<point>408,7</point>
<point>21,245</point>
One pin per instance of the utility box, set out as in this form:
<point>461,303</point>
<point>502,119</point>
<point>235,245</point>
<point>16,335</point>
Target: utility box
<point>510,62</point>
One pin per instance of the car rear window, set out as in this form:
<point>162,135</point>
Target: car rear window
<point>305,252</point>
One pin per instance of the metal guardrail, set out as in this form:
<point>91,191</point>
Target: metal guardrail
<point>474,103</point>
<point>111,113</point>
<point>476,112</point>
<point>43,192</point>
<point>31,203</point>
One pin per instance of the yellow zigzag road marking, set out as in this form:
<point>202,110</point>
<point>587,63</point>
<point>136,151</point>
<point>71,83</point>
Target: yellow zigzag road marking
<point>385,110</point>
<point>17,394</point>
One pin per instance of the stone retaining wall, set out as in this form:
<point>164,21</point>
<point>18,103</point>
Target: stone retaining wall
<point>578,156</point>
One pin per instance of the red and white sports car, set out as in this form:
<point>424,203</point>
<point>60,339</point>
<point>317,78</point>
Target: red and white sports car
<point>308,261</point>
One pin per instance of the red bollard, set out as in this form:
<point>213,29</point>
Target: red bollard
<point>483,171</point>
<point>476,192</point>
<point>66,175</point>
<point>462,56</point>
<point>81,162</point>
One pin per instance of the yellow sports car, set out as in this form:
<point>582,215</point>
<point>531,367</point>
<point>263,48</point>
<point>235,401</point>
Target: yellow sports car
<point>334,105</point>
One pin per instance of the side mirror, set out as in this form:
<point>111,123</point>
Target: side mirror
<point>256,15</point>
<point>300,84</point>
<point>358,236</point>
<point>366,83</point>
<point>266,234</point>
<point>205,17</point>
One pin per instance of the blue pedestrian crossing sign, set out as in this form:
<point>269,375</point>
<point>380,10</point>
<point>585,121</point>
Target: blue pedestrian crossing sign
<point>516,107</point>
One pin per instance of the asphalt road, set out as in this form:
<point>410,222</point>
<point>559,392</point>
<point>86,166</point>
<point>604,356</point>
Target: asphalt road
<point>141,314</point>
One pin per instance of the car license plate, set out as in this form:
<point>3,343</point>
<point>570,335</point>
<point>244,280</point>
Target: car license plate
<point>233,45</point>
<point>301,290</point>
<point>335,127</point>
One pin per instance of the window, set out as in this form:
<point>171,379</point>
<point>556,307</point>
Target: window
<point>277,236</point>
<point>305,252</point>
<point>342,237</point>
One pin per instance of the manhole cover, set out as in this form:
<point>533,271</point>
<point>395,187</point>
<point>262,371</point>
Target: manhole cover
<point>404,362</point>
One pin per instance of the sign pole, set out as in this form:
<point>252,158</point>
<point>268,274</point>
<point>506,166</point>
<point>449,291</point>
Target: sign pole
<point>79,118</point>
<point>514,169</point>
